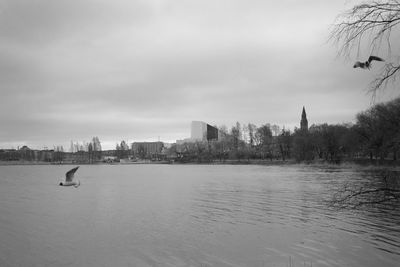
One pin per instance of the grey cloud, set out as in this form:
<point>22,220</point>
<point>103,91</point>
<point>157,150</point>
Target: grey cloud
<point>43,21</point>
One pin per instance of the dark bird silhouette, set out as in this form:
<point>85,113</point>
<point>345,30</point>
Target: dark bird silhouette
<point>367,64</point>
<point>69,176</point>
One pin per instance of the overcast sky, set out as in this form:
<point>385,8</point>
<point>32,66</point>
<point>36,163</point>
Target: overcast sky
<point>143,70</point>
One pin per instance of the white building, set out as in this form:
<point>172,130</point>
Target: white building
<point>198,131</point>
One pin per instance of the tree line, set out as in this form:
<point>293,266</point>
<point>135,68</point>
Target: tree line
<point>84,152</point>
<point>374,136</point>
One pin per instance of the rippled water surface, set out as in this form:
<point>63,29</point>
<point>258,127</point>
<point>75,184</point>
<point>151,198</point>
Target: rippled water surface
<point>190,215</point>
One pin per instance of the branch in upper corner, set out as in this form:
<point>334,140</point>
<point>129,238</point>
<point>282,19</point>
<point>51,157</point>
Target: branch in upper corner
<point>369,23</point>
<point>367,26</point>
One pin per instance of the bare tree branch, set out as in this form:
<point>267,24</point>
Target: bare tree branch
<point>388,74</point>
<point>369,25</point>
<point>353,195</point>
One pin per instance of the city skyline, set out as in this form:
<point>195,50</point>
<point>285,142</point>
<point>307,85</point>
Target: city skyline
<point>191,136</point>
<point>142,70</point>
<point>198,131</point>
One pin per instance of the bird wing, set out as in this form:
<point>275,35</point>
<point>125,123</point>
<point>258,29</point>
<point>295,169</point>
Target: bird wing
<point>70,174</point>
<point>358,64</point>
<point>374,58</point>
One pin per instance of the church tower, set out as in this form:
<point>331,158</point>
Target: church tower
<point>304,122</point>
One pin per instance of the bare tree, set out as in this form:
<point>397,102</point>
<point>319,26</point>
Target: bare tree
<point>236,133</point>
<point>264,140</point>
<point>275,129</point>
<point>90,153</point>
<point>371,26</point>
<point>252,131</point>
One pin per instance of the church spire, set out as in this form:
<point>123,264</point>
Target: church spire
<point>304,122</point>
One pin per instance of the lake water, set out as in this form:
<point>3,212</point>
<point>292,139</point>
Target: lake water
<point>190,215</point>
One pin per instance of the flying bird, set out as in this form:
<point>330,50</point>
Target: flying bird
<point>367,64</point>
<point>69,178</point>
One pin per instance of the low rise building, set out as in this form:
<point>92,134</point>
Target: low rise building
<point>147,149</point>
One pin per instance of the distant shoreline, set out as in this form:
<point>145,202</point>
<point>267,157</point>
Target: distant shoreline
<point>267,162</point>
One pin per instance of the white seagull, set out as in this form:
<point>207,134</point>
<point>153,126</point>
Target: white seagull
<point>69,176</point>
<point>367,64</point>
